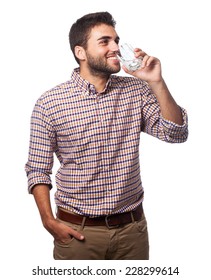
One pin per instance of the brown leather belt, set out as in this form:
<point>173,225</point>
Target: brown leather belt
<point>109,221</point>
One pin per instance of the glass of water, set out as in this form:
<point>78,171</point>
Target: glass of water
<point>127,58</point>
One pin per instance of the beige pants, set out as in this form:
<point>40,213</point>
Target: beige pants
<point>125,242</point>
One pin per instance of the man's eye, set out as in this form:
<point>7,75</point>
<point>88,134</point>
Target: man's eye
<point>104,42</point>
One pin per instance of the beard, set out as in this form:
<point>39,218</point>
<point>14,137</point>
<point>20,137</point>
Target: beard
<point>98,67</point>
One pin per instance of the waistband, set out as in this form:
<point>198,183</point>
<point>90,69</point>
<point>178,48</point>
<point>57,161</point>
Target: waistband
<point>109,220</point>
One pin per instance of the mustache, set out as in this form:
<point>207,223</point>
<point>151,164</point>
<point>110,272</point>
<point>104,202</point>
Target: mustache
<point>111,54</point>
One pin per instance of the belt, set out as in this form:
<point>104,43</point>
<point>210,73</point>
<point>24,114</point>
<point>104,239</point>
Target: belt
<point>109,220</point>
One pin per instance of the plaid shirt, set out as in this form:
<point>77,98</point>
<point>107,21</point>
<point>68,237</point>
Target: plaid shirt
<point>96,137</point>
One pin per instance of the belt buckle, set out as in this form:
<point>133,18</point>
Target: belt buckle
<point>107,222</point>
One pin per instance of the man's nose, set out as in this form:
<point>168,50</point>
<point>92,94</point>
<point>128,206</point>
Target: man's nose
<point>114,47</point>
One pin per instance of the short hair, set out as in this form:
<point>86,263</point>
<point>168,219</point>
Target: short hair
<point>80,30</point>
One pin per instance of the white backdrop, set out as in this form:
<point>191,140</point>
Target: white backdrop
<point>35,56</point>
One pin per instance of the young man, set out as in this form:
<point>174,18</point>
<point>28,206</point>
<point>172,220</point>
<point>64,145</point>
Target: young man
<point>93,123</point>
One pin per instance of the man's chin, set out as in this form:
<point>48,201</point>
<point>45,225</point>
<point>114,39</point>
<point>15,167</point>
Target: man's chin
<point>115,69</point>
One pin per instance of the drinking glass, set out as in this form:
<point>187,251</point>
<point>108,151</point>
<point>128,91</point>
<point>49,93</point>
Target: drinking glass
<point>126,56</point>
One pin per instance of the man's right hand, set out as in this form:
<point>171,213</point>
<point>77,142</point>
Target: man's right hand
<point>61,232</point>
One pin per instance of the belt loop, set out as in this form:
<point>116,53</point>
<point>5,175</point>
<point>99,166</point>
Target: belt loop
<point>132,217</point>
<point>83,223</point>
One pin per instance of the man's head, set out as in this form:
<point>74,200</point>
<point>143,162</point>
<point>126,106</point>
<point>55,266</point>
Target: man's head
<point>80,30</point>
<point>94,42</point>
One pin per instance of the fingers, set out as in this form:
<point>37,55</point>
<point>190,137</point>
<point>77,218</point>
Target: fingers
<point>75,234</point>
<point>146,59</point>
<point>139,53</point>
<point>67,236</point>
<point>62,232</point>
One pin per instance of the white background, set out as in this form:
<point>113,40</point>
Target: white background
<point>35,56</point>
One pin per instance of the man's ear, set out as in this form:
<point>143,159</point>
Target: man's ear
<point>80,53</point>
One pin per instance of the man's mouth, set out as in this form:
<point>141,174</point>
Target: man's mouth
<point>112,57</point>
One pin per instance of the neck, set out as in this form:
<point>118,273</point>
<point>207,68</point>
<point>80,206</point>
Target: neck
<point>97,79</point>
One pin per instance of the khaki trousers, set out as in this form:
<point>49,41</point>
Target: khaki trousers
<point>125,242</point>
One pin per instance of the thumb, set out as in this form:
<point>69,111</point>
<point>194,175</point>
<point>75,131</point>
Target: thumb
<point>127,70</point>
<point>132,73</point>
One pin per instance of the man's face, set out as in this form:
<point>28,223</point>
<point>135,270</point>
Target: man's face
<point>102,47</point>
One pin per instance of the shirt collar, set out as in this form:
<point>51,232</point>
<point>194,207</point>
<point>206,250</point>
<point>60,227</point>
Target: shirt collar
<point>86,87</point>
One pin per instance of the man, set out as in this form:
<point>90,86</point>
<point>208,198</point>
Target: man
<point>93,123</point>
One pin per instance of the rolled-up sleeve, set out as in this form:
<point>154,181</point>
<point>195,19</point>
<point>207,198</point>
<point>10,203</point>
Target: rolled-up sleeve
<point>176,133</point>
<point>154,124</point>
<point>41,148</point>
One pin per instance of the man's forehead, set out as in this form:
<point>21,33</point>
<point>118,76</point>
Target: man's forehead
<point>103,30</point>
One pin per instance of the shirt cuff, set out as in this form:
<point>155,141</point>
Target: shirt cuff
<point>35,178</point>
<point>175,129</point>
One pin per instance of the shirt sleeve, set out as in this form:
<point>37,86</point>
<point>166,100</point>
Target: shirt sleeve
<point>41,149</point>
<point>154,124</point>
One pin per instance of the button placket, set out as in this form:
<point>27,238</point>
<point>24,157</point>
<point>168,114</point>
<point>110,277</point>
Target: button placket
<point>103,136</point>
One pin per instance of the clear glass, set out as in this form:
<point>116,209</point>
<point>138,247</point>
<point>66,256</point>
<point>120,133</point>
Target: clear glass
<point>127,57</point>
